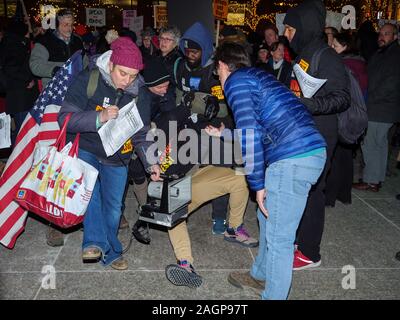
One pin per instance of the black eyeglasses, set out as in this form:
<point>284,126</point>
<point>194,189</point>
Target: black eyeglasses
<point>165,39</point>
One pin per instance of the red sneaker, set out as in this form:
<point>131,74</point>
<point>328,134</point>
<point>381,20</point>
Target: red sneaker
<point>301,262</point>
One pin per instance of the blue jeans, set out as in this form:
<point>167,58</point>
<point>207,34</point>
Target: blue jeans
<point>101,223</point>
<point>287,183</point>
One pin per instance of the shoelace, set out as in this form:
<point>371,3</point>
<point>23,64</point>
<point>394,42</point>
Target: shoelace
<point>241,230</point>
<point>185,264</point>
<point>219,221</point>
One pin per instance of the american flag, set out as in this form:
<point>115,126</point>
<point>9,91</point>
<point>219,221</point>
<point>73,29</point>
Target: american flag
<point>40,125</point>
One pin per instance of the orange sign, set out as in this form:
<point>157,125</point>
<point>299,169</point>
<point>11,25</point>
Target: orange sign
<point>160,16</point>
<point>220,9</point>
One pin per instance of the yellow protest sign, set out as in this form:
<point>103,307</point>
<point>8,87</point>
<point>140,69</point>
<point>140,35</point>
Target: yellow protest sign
<point>220,9</point>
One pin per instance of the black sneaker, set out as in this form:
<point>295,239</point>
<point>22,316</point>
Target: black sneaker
<point>183,274</point>
<point>141,232</point>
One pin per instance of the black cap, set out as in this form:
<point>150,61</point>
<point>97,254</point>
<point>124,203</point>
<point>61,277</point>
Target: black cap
<point>263,46</point>
<point>292,18</point>
<point>190,44</point>
<point>228,31</point>
<point>155,72</point>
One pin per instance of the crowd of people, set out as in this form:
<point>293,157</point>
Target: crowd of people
<point>296,164</point>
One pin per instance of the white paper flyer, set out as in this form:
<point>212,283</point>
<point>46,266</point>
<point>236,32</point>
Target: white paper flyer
<point>115,132</point>
<point>5,130</point>
<point>308,84</point>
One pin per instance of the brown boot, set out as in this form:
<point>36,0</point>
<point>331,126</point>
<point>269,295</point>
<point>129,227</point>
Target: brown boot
<point>244,280</point>
<point>54,237</point>
<point>374,187</point>
<point>123,223</point>
<point>120,264</point>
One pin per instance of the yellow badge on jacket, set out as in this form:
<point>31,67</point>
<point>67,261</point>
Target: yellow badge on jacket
<point>217,91</point>
<point>127,147</point>
<point>304,65</point>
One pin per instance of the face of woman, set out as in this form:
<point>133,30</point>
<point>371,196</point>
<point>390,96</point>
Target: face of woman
<point>167,43</point>
<point>270,36</point>
<point>338,47</point>
<point>146,41</point>
<point>278,54</point>
<point>122,76</point>
<point>263,55</point>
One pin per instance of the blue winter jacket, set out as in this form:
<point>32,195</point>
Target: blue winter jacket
<point>280,125</point>
<point>85,111</point>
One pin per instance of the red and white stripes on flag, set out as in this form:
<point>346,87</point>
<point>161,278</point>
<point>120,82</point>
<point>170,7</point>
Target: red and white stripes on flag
<point>12,216</point>
<point>40,125</point>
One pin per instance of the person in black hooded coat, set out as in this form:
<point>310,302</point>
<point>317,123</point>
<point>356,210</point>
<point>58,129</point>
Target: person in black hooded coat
<point>21,86</point>
<point>304,27</point>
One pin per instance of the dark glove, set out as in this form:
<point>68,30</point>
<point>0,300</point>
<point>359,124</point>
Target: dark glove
<point>55,69</point>
<point>187,99</point>
<point>212,107</point>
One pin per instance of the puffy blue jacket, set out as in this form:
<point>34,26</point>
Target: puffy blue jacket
<point>268,113</point>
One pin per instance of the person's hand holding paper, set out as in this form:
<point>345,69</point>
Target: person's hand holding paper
<point>308,84</point>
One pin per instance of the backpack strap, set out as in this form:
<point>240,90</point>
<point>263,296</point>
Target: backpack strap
<point>92,84</point>
<point>315,60</point>
<point>176,64</point>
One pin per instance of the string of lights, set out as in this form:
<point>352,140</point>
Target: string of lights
<point>387,9</point>
<point>252,17</point>
<point>255,11</point>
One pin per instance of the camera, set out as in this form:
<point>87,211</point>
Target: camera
<point>212,107</point>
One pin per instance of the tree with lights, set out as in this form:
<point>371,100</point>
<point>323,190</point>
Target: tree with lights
<point>252,17</point>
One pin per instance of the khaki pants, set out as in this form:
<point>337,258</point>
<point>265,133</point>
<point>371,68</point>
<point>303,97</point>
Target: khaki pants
<point>209,183</point>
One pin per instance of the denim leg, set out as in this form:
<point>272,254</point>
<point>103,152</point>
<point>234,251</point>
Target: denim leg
<point>112,188</point>
<point>287,184</point>
<point>220,207</point>
<point>258,269</point>
<point>104,211</point>
<point>94,233</point>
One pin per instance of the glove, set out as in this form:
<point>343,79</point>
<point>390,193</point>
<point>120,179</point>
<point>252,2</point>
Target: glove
<point>212,107</point>
<point>55,69</point>
<point>187,99</point>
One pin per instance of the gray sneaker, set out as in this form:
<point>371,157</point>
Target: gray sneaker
<point>183,274</point>
<point>240,236</point>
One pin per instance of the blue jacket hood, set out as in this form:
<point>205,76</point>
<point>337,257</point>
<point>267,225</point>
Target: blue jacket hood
<point>199,34</point>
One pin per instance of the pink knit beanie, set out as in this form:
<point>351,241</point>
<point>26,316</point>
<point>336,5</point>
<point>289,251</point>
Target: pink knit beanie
<point>126,53</point>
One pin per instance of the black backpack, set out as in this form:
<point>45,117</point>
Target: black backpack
<point>352,122</point>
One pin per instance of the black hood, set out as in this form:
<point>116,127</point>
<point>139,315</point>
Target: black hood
<point>309,20</point>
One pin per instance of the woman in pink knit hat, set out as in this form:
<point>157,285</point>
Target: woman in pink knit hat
<point>93,99</point>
